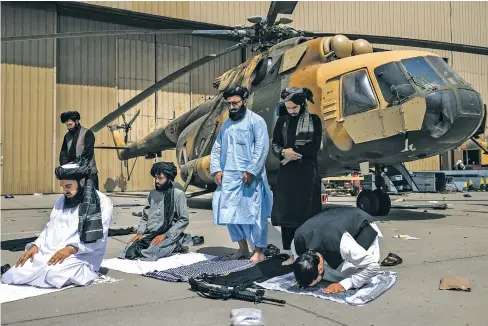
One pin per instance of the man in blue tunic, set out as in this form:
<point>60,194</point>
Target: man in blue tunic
<point>243,199</point>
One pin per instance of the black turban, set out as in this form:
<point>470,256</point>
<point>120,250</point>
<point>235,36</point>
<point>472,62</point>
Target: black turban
<point>297,95</point>
<point>73,171</point>
<point>70,115</point>
<point>167,168</point>
<point>240,91</point>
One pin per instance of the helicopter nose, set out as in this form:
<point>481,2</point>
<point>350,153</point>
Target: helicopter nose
<point>449,120</point>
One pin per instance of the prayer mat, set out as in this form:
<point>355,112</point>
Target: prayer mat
<point>260,272</point>
<point>216,266</point>
<point>354,297</point>
<point>9,293</point>
<point>141,267</point>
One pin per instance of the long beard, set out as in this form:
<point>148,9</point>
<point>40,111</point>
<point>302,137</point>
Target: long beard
<point>238,115</point>
<point>73,202</point>
<point>74,130</point>
<point>163,187</point>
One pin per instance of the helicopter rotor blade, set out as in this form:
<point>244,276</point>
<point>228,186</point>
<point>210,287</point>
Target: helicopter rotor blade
<point>279,7</point>
<point>123,118</point>
<point>391,40</point>
<point>134,118</point>
<point>122,32</point>
<point>161,83</point>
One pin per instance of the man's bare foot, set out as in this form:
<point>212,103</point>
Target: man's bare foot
<point>241,253</point>
<point>257,257</point>
<point>289,261</point>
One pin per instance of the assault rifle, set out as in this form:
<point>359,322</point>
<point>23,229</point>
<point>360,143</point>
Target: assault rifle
<point>224,293</point>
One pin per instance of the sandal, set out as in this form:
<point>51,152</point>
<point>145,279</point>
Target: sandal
<point>271,250</point>
<point>391,260</point>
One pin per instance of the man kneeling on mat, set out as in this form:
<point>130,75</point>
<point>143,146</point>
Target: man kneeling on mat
<point>164,219</point>
<point>339,245</point>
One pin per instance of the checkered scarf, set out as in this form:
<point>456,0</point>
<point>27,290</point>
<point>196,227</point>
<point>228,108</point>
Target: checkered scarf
<point>90,224</point>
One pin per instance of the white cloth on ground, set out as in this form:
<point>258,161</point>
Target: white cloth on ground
<point>380,283</point>
<point>9,293</point>
<point>142,267</point>
<point>61,231</point>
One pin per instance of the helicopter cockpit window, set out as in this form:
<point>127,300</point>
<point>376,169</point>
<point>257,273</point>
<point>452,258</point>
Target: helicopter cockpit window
<point>446,72</point>
<point>393,83</point>
<point>357,93</point>
<point>422,74</point>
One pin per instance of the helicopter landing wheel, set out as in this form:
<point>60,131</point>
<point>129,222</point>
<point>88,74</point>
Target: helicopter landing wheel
<point>384,202</point>
<point>368,201</point>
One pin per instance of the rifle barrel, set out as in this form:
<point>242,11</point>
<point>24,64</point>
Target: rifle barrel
<point>274,300</point>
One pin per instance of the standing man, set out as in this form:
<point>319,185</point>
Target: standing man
<point>79,142</point>
<point>243,199</point>
<point>297,138</point>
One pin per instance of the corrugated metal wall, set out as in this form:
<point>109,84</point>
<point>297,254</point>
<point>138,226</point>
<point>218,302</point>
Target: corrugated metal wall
<point>28,89</point>
<point>93,75</point>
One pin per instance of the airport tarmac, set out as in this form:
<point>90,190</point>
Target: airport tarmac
<point>451,242</point>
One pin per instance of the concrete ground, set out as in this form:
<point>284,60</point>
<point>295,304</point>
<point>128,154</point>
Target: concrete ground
<point>452,242</point>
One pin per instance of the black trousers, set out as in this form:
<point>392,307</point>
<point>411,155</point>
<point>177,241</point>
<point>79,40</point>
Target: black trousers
<point>287,235</point>
<point>94,179</point>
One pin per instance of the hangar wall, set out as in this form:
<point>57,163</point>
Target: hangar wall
<point>93,75</point>
<point>41,79</point>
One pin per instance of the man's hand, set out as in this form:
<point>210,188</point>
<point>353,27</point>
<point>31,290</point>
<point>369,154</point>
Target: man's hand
<point>334,288</point>
<point>247,177</point>
<point>136,237</point>
<point>28,254</point>
<point>61,255</point>
<point>291,155</point>
<point>157,240</point>
<point>218,178</point>
<point>285,161</point>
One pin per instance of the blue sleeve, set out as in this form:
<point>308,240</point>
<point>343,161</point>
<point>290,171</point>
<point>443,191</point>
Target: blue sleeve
<point>261,148</point>
<point>215,154</point>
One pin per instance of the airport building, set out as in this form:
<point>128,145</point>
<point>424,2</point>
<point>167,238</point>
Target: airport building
<point>94,75</point>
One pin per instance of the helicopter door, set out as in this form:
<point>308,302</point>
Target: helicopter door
<point>360,108</point>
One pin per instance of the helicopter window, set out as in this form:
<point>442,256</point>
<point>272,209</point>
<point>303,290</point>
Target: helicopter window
<point>446,72</point>
<point>393,83</point>
<point>357,93</point>
<point>470,102</point>
<point>422,74</point>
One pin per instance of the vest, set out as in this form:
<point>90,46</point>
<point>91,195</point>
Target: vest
<point>324,231</point>
<point>80,146</point>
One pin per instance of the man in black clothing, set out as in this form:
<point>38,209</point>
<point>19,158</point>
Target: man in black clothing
<point>339,245</point>
<point>297,139</point>
<point>79,142</point>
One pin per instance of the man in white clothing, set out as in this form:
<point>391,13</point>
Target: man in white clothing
<point>339,245</point>
<point>71,248</point>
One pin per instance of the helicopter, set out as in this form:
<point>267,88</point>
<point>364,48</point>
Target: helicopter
<point>378,108</point>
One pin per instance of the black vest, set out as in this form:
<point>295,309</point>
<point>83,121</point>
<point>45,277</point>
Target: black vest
<point>324,231</point>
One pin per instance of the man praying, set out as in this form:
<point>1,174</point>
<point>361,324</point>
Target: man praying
<point>71,248</point>
<point>164,219</point>
<point>243,199</point>
<point>339,245</point>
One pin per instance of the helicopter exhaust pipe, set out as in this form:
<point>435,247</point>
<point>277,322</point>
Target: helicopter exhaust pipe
<point>118,140</point>
<point>152,143</point>
<point>201,171</point>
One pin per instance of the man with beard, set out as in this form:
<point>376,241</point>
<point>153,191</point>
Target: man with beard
<point>71,248</point>
<point>164,219</point>
<point>79,142</point>
<point>243,198</point>
<point>297,138</point>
